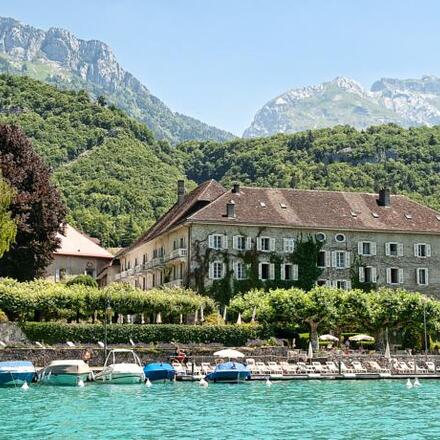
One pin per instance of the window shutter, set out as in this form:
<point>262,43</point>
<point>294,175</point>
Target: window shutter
<point>400,249</point>
<point>248,243</point>
<point>235,269</point>
<point>334,259</point>
<point>272,244</point>
<point>373,248</point>
<point>327,259</point>
<point>224,241</point>
<point>235,242</point>
<point>348,284</point>
<point>401,276</point>
<point>223,270</point>
<point>388,275</point>
<point>361,274</point>
<point>259,270</point>
<point>387,249</point>
<point>295,272</point>
<point>258,243</point>
<point>272,271</point>
<point>416,246</point>
<point>373,274</point>
<point>285,244</point>
<point>427,276</point>
<point>211,270</point>
<point>283,271</point>
<point>360,248</point>
<point>211,241</point>
<point>428,250</point>
<point>328,283</point>
<point>347,259</point>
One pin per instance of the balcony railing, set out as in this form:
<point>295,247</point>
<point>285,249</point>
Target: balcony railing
<point>158,261</point>
<point>130,272</point>
<point>138,268</point>
<point>177,253</point>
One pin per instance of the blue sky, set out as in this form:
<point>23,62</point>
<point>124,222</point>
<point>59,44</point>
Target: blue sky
<point>220,61</point>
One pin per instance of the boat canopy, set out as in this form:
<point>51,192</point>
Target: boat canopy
<point>231,366</point>
<point>158,366</point>
<point>12,364</point>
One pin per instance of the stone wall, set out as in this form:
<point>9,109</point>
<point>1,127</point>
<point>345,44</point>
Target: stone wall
<point>11,333</point>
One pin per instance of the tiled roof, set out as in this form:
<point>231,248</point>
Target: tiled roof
<point>198,198</point>
<point>320,209</point>
<point>75,243</point>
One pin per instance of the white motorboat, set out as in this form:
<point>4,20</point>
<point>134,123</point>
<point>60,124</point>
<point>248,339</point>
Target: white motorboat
<point>121,367</point>
<point>65,372</point>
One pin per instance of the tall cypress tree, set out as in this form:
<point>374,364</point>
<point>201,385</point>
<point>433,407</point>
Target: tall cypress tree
<point>36,207</point>
<point>8,228</point>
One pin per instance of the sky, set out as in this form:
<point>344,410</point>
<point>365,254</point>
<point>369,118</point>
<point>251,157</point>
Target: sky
<point>221,61</point>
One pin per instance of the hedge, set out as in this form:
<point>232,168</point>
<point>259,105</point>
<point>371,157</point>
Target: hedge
<point>229,335</point>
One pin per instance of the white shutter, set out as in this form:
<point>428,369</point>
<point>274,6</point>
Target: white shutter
<point>360,248</point>
<point>272,244</point>
<point>400,249</point>
<point>259,270</point>
<point>295,272</point>
<point>428,250</point>
<point>388,275</point>
<point>387,249</point>
<point>235,269</point>
<point>427,276</point>
<point>211,241</point>
<point>401,276</point>
<point>248,243</point>
<point>224,241</point>
<point>235,242</point>
<point>361,274</point>
<point>328,283</point>
<point>347,259</point>
<point>415,249</point>
<point>373,248</point>
<point>223,270</point>
<point>283,271</point>
<point>334,259</point>
<point>272,271</point>
<point>327,258</point>
<point>348,284</point>
<point>373,275</point>
<point>258,243</point>
<point>211,271</point>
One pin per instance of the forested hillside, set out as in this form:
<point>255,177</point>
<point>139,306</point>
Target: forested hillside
<point>116,179</point>
<point>407,160</point>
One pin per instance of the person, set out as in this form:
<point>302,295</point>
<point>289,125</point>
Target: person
<point>180,356</point>
<point>87,356</point>
<point>347,343</point>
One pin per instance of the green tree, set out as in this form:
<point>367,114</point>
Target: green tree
<point>8,228</point>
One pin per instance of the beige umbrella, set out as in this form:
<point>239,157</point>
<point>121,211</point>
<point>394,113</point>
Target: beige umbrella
<point>388,351</point>
<point>360,338</point>
<point>159,318</point>
<point>239,318</point>
<point>310,351</point>
<point>229,353</point>
<point>328,338</point>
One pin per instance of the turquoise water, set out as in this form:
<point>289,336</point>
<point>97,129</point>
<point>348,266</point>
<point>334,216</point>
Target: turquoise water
<point>300,409</point>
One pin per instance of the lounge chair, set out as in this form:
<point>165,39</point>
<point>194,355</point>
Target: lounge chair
<point>331,367</point>
<point>358,367</point>
<point>262,368</point>
<point>305,368</point>
<point>180,369</point>
<point>319,368</point>
<point>347,370</point>
<point>3,344</point>
<point>431,367</point>
<point>70,344</point>
<point>376,368</point>
<point>403,368</point>
<point>275,369</point>
<point>288,368</point>
<point>206,367</point>
<point>417,368</point>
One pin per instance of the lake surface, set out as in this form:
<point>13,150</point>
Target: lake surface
<point>381,409</point>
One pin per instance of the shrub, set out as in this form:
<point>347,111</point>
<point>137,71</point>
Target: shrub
<point>3,317</point>
<point>229,335</point>
<point>85,280</point>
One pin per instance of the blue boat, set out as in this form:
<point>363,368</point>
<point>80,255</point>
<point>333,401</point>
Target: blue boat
<point>159,371</point>
<point>232,372</point>
<point>16,373</point>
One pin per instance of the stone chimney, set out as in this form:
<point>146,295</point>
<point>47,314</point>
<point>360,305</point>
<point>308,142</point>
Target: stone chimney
<point>384,197</point>
<point>236,188</point>
<point>180,191</point>
<point>230,209</point>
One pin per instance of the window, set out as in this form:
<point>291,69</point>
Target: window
<point>422,250</point>
<point>394,249</point>
<point>153,280</point>
<point>289,272</point>
<point>175,245</point>
<point>266,271</point>
<point>394,275</point>
<point>218,241</point>
<point>340,238</point>
<point>321,259</point>
<point>341,259</point>
<point>239,242</point>
<point>367,274</point>
<point>216,270</point>
<point>422,276</point>
<point>367,248</point>
<point>289,245</point>
<point>265,244</point>
<point>182,242</point>
<point>240,271</point>
<point>342,284</point>
<point>321,283</point>
<point>320,236</point>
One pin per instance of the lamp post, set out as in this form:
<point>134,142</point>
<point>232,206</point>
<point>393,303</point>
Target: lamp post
<point>424,326</point>
<point>107,312</point>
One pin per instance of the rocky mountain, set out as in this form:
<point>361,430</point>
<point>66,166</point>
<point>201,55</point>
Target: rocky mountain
<point>58,57</point>
<point>344,101</point>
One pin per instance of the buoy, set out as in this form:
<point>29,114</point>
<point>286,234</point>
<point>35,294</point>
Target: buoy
<point>408,383</point>
<point>148,383</point>
<point>81,383</point>
<point>416,382</point>
<point>25,386</point>
<point>268,383</point>
<point>203,382</point>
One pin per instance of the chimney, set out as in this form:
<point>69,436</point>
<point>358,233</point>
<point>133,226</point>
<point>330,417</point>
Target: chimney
<point>384,197</point>
<point>180,191</point>
<point>236,188</point>
<point>230,209</point>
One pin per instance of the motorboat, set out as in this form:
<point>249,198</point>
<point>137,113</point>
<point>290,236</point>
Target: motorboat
<point>15,373</point>
<point>232,372</point>
<point>159,371</point>
<point>71,372</point>
<point>122,366</point>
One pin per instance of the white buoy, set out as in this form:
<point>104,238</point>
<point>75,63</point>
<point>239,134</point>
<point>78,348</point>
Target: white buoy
<point>268,382</point>
<point>81,383</point>
<point>409,385</point>
<point>25,386</point>
<point>148,383</point>
<point>416,382</point>
<point>203,382</point>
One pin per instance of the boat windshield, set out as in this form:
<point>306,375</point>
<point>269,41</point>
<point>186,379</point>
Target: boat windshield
<point>122,357</point>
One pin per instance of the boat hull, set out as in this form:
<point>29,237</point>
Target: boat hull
<point>15,373</point>
<point>228,376</point>
<point>120,378</point>
<point>159,372</point>
<point>64,379</point>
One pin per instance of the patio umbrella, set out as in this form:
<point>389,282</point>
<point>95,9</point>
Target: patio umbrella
<point>310,352</point>
<point>229,353</point>
<point>254,313</point>
<point>239,318</point>
<point>328,338</point>
<point>159,318</point>
<point>360,338</point>
<point>388,351</point>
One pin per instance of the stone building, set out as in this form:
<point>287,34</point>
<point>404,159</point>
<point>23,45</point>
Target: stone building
<point>208,235</point>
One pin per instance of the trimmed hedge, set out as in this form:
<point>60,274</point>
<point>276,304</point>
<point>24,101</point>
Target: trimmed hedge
<point>229,335</point>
